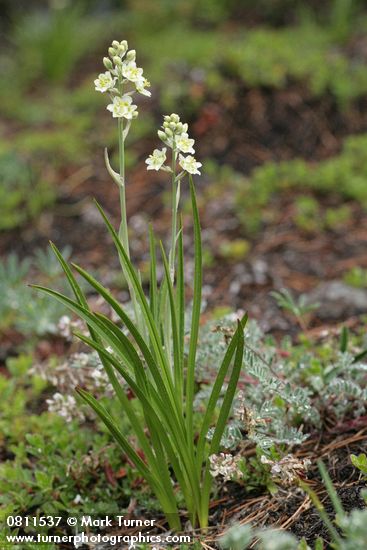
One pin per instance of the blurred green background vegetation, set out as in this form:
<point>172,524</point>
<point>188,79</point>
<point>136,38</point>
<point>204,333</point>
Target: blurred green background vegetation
<point>192,50</point>
<point>221,64</point>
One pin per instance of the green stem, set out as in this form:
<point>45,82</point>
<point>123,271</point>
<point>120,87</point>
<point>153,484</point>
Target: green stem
<point>123,230</point>
<point>172,254</point>
<point>171,258</point>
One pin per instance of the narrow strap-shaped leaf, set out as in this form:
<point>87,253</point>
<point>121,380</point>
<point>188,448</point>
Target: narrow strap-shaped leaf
<point>222,419</point>
<point>166,420</point>
<point>322,513</point>
<point>180,296</point>
<point>229,395</point>
<point>119,437</point>
<point>140,374</point>
<point>100,327</point>
<point>130,351</point>
<point>153,287</point>
<point>79,294</point>
<point>139,293</point>
<point>157,462</point>
<point>215,392</point>
<point>168,503</point>
<point>344,338</point>
<point>337,503</point>
<point>151,363</point>
<point>195,320</point>
<point>161,405</point>
<point>103,331</point>
<point>130,325</point>
<point>175,336</point>
<point>134,421</point>
<point>157,465</point>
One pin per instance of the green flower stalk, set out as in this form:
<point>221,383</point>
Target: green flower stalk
<point>121,80</point>
<point>149,350</point>
<point>173,133</point>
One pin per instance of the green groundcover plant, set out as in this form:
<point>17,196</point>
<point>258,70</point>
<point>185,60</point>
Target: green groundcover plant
<point>146,349</point>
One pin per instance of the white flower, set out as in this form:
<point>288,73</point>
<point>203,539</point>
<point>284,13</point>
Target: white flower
<point>65,406</point>
<point>64,327</point>
<point>122,107</point>
<point>141,85</point>
<point>131,71</point>
<point>189,164</point>
<point>224,465</point>
<point>157,159</point>
<point>104,82</point>
<point>184,143</point>
<point>288,469</point>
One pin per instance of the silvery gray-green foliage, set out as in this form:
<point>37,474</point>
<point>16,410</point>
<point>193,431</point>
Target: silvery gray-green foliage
<point>240,537</point>
<point>339,387</point>
<point>282,393</point>
<point>271,398</point>
<point>299,308</point>
<point>354,527</point>
<point>345,386</point>
<point>19,306</point>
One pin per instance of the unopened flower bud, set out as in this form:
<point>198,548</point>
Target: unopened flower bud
<point>169,132</point>
<point>172,125</point>
<point>122,48</point>
<point>117,60</point>
<point>111,52</point>
<point>179,127</point>
<point>166,118</point>
<point>185,127</point>
<point>107,63</point>
<point>115,44</point>
<point>175,118</point>
<point>131,55</point>
<point>121,51</point>
<point>162,135</point>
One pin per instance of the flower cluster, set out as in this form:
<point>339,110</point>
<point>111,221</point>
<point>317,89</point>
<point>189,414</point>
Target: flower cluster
<point>65,406</point>
<point>225,465</point>
<point>66,326</point>
<point>287,470</point>
<point>81,369</point>
<point>121,71</point>
<point>174,135</point>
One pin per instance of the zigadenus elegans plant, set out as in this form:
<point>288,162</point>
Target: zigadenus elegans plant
<point>148,349</point>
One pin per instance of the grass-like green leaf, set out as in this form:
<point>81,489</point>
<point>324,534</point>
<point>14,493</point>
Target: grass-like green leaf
<point>195,319</point>
<point>140,296</point>
<point>222,419</point>
<point>215,393</point>
<point>177,367</point>
<point>180,292</point>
